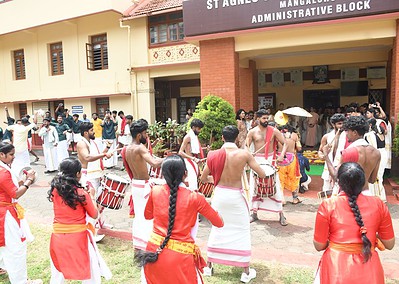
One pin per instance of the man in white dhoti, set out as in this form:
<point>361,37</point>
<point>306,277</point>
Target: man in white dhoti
<point>92,166</point>
<point>192,153</point>
<point>337,139</point>
<point>49,135</point>
<point>376,138</point>
<point>359,151</point>
<point>20,141</point>
<point>231,244</point>
<point>264,139</point>
<point>62,146</point>
<point>135,157</point>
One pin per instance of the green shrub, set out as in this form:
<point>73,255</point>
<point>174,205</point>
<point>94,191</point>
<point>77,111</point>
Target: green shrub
<point>216,113</point>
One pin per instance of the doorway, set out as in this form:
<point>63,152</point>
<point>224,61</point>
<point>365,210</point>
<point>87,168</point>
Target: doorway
<point>321,98</point>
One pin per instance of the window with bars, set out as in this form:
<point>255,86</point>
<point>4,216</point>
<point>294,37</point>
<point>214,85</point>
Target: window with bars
<point>166,28</point>
<point>19,64</point>
<point>57,59</point>
<point>97,53</point>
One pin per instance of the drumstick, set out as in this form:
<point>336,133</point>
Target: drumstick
<point>114,150</point>
<point>335,137</point>
<point>257,151</point>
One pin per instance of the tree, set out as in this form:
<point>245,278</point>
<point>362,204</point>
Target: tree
<point>216,113</point>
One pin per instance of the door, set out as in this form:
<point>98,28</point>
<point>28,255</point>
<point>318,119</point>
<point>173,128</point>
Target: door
<point>321,99</point>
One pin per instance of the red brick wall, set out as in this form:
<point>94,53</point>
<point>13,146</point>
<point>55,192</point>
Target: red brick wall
<point>219,70</point>
<point>249,87</point>
<point>394,89</point>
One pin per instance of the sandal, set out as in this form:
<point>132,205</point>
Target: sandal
<point>283,221</point>
<point>253,218</point>
<point>296,201</point>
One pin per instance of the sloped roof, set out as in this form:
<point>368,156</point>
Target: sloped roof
<point>145,7</point>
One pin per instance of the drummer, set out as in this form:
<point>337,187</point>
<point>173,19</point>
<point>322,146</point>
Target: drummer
<point>231,244</point>
<point>191,151</point>
<point>265,138</point>
<point>92,165</point>
<point>135,158</point>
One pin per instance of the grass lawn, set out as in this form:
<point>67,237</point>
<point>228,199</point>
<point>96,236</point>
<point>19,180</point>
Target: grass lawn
<point>118,255</point>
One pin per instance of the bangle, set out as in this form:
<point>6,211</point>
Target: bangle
<point>108,147</point>
<point>27,187</point>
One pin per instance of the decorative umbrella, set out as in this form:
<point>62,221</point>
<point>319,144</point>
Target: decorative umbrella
<point>281,118</point>
<point>298,111</point>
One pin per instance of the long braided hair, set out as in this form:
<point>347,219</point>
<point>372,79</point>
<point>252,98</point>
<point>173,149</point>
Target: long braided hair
<point>351,179</point>
<point>66,183</point>
<point>173,170</point>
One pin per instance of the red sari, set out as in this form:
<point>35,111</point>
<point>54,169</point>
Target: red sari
<point>70,252</point>
<point>172,266</point>
<point>336,223</point>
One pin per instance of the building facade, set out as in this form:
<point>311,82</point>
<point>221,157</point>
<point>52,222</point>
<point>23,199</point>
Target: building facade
<point>70,52</point>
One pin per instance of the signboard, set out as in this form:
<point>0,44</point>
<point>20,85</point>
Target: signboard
<point>213,16</point>
<point>77,109</point>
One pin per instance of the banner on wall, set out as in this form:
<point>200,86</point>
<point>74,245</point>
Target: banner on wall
<point>215,16</point>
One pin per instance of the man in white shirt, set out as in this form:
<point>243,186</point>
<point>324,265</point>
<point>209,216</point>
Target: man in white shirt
<point>20,141</point>
<point>50,139</point>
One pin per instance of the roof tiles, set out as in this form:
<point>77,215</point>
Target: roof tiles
<point>151,6</point>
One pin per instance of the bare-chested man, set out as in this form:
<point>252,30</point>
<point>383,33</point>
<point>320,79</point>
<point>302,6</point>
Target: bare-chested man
<point>359,151</point>
<point>289,172</point>
<point>135,157</point>
<point>337,139</point>
<point>91,158</point>
<point>232,242</point>
<point>265,138</point>
<point>191,151</point>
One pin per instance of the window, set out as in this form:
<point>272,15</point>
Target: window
<point>97,53</point>
<point>23,110</point>
<point>101,106</point>
<point>19,64</point>
<point>166,28</point>
<point>57,59</point>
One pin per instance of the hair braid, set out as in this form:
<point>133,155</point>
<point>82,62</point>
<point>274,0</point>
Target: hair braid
<point>366,251</point>
<point>172,213</point>
<point>173,169</point>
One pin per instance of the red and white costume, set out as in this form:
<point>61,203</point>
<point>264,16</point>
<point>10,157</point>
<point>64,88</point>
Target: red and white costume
<point>14,230</point>
<point>74,253</point>
<point>173,266</point>
<point>272,203</point>
<point>231,244</point>
<point>192,167</point>
<point>335,222</point>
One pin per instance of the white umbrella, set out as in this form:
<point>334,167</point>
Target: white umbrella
<point>298,111</point>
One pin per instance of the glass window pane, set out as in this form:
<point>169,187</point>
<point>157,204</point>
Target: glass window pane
<point>153,35</point>
<point>163,33</point>
<point>173,32</point>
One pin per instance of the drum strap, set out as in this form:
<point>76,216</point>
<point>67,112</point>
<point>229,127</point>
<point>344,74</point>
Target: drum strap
<point>269,135</point>
<point>194,167</point>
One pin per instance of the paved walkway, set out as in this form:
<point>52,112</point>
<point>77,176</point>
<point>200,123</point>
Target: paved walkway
<point>270,241</point>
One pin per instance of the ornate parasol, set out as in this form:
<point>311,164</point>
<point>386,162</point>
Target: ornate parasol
<point>298,111</point>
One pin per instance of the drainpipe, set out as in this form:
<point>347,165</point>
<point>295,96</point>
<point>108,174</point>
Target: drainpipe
<point>133,92</point>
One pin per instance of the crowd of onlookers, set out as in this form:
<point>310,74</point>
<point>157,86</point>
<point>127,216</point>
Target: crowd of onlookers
<point>60,133</point>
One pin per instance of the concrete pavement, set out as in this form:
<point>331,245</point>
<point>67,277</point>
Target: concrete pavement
<point>270,241</point>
